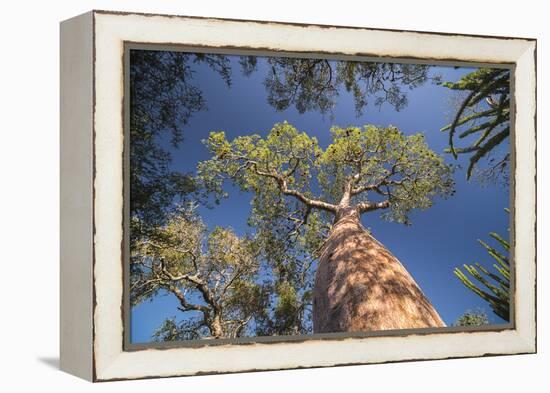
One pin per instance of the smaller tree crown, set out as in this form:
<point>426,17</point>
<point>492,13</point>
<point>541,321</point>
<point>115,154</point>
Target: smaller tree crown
<point>213,275</point>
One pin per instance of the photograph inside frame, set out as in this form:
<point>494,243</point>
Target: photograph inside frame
<point>284,196</point>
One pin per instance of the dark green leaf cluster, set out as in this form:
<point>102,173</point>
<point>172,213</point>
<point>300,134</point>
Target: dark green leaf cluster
<point>174,330</point>
<point>314,84</point>
<point>472,318</point>
<point>163,97</point>
<point>289,312</point>
<point>386,82</point>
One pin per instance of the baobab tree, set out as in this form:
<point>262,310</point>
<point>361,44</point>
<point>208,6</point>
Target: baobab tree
<point>359,285</point>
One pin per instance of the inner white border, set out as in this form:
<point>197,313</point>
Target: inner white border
<point>111,30</point>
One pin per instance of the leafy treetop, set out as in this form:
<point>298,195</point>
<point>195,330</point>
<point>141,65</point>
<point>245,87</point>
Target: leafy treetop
<point>367,169</point>
<point>472,318</point>
<point>214,276</point>
<point>299,188</point>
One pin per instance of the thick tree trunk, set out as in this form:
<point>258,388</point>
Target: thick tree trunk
<point>361,286</point>
<point>216,326</point>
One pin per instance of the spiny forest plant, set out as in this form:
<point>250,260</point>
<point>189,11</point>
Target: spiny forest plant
<point>482,118</point>
<point>491,286</point>
<point>313,198</point>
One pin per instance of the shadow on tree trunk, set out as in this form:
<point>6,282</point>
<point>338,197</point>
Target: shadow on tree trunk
<point>361,286</point>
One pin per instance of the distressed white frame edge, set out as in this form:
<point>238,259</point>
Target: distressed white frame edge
<point>111,30</point>
<point>76,205</point>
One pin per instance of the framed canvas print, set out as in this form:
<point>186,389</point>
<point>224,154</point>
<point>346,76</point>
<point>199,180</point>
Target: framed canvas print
<point>245,195</point>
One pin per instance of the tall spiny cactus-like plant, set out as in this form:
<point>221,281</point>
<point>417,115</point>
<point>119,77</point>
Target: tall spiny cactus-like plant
<point>484,113</point>
<point>497,283</point>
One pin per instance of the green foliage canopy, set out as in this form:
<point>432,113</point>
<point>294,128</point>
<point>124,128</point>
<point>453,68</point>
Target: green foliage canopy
<point>472,318</point>
<point>213,275</point>
<point>163,97</point>
<point>315,84</point>
<point>298,188</point>
<point>367,168</point>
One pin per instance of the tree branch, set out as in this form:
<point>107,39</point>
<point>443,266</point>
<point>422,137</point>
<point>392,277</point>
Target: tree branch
<point>376,187</point>
<point>370,206</point>
<point>200,285</point>
<point>177,249</point>
<point>283,186</point>
<point>185,305</point>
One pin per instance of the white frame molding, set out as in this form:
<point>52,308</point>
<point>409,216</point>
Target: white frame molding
<point>92,141</point>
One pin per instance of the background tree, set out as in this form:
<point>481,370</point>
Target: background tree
<point>359,285</point>
<point>314,84</point>
<point>213,275</point>
<point>472,318</point>
<point>482,119</point>
<point>495,284</point>
<point>290,273</point>
<point>163,98</point>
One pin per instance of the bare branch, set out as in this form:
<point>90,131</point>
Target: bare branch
<point>238,273</point>
<point>200,284</point>
<point>370,206</point>
<point>283,186</point>
<point>185,305</point>
<point>241,325</point>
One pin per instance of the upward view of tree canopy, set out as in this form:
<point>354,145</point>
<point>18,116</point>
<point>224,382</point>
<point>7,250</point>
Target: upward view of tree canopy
<point>260,279</point>
<point>163,97</point>
<point>223,286</point>
<point>313,84</point>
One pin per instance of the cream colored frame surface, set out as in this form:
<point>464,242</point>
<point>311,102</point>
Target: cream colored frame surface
<point>92,115</point>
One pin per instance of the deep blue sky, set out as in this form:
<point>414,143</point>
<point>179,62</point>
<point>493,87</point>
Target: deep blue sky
<point>439,239</point>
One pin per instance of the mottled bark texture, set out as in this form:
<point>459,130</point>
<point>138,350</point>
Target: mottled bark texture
<point>361,286</point>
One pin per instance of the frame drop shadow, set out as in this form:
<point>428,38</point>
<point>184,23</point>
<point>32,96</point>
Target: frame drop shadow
<point>50,361</point>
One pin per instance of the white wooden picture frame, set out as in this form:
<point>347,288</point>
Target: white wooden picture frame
<point>92,195</point>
